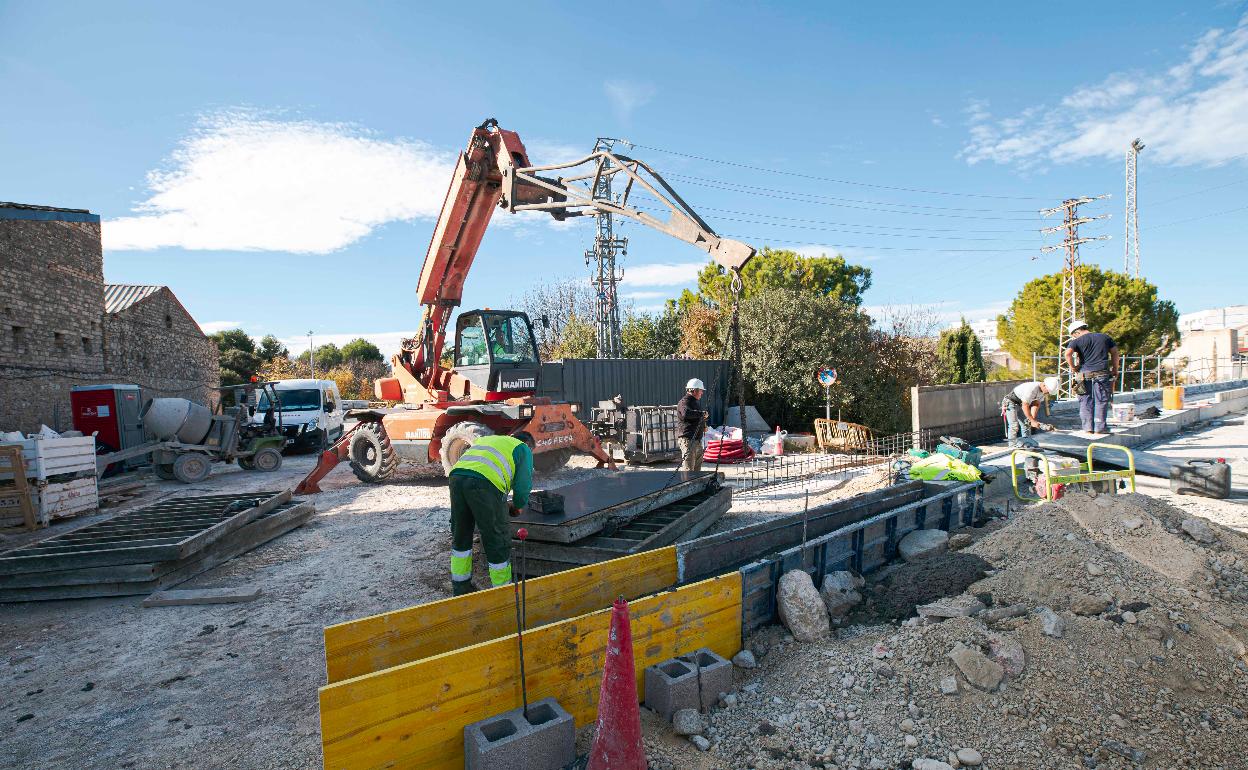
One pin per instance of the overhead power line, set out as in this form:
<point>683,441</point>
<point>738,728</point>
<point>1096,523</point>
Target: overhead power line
<point>1194,219</point>
<point>836,180</point>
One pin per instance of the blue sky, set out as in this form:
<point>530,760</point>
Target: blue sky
<point>280,165</point>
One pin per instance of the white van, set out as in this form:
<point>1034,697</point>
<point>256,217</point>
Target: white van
<point>311,412</point>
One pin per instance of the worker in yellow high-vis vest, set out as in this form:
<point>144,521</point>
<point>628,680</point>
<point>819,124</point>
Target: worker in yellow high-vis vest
<point>491,468</point>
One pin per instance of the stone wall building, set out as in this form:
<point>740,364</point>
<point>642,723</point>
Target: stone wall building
<point>56,330</point>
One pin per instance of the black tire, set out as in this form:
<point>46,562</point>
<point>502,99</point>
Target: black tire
<point>246,464</point>
<point>552,461</point>
<point>164,472</point>
<point>267,459</point>
<point>372,458</point>
<point>457,440</point>
<point>192,467</point>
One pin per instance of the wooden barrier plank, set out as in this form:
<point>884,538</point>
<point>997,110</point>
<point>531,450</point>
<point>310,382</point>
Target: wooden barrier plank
<point>412,716</point>
<point>382,641</point>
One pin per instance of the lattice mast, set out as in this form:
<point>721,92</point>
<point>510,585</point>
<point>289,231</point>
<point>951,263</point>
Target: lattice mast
<point>1072,291</point>
<point>606,276</point>
<point>1131,217</point>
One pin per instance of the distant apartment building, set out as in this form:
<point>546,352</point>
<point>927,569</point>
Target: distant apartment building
<point>61,325</point>
<point>1213,344</point>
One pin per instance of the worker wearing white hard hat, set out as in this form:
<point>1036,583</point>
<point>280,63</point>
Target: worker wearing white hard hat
<point>1021,408</point>
<point>692,420</point>
<point>1093,357</point>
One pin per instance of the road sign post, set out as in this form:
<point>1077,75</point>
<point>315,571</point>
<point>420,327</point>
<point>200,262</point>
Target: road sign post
<point>827,378</point>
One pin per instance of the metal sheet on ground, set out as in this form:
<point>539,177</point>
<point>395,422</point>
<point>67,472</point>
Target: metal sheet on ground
<point>1148,463</point>
<point>591,506</point>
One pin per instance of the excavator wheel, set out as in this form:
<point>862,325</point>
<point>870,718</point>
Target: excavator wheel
<point>552,461</point>
<point>372,458</point>
<point>458,438</point>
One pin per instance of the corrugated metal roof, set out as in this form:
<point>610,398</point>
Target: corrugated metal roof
<point>119,296</point>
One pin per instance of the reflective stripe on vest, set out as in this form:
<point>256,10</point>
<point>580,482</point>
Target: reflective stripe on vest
<point>491,456</point>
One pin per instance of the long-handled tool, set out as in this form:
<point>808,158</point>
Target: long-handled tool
<point>517,588</point>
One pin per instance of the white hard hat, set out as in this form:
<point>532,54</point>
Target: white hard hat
<point>1076,325</point>
<point>1051,384</point>
<point>694,384</point>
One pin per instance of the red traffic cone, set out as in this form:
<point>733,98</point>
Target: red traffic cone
<point>617,743</point>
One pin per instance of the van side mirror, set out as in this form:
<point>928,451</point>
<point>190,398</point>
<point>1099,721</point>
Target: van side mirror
<point>329,406</point>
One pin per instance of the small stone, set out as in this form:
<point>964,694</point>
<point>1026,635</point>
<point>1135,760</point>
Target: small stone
<point>997,614</point>
<point>728,700</point>
<point>1051,624</point>
<point>907,725</point>
<point>959,541</point>
<point>952,607</point>
<point>883,670</point>
<point>744,659</point>
<point>1132,524</point>
<point>1083,604</point>
<point>702,743</point>
<point>688,722</point>
<point>978,669</point>
<point>970,757</point>
<point>801,607</point>
<point>949,685</point>
<point>922,543</point>
<point>1198,529</point>
<point>1123,750</point>
<point>1094,569</point>
<point>923,763</point>
<point>836,597</point>
<point>1007,651</point>
<point>1129,618</point>
<point>911,741</point>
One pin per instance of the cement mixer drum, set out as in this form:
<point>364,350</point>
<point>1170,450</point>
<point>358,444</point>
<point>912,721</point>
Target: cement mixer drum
<point>170,419</point>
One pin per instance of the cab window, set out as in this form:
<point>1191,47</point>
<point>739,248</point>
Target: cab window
<point>510,339</point>
<point>470,350</point>
<point>330,405</point>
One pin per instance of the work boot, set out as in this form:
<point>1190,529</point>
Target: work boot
<point>461,587</point>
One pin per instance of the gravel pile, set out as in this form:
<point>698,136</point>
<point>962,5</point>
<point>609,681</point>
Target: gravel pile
<point>1106,634</point>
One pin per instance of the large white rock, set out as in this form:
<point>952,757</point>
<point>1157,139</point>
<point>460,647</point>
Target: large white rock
<point>1199,530</point>
<point>839,594</point>
<point>801,607</point>
<point>976,667</point>
<point>922,543</point>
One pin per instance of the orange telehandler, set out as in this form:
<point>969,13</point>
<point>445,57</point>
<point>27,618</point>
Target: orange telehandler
<point>491,386</point>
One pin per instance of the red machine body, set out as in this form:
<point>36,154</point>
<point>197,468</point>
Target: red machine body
<point>111,412</point>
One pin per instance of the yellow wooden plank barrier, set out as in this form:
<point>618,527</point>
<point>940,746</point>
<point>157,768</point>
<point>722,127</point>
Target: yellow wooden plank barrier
<point>413,715</point>
<point>382,641</point>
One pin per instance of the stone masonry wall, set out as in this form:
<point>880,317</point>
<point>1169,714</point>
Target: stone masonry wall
<point>156,344</point>
<point>51,307</point>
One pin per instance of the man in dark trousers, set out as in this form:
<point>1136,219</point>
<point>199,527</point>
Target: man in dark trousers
<point>1093,357</point>
<point>692,425</point>
<point>479,482</point>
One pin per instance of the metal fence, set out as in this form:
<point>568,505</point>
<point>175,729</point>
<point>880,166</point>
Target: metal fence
<point>1144,372</point>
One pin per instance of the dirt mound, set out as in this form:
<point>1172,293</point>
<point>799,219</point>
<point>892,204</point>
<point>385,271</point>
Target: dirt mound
<point>920,582</point>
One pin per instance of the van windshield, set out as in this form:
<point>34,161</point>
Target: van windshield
<point>293,400</point>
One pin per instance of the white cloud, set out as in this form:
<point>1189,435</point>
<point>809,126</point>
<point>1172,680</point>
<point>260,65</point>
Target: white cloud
<point>827,250</point>
<point>626,96</point>
<point>662,274</point>
<point>245,182</point>
<point>212,327</point>
<point>1193,113</point>
<point>635,295</point>
<point>387,342</point>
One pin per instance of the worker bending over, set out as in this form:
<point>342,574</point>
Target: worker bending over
<point>1021,407</point>
<point>1093,357</point>
<point>692,425</point>
<point>480,481</point>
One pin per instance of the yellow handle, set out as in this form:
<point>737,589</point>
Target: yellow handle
<point>1014,470</point>
<point>1123,449</point>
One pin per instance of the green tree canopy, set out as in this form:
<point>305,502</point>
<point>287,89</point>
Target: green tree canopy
<point>360,349</point>
<point>238,358</point>
<point>783,269</point>
<point>327,357</point>
<point>271,347</point>
<point>1127,309</point>
<point>579,339</point>
<point>961,355</point>
<point>651,335</point>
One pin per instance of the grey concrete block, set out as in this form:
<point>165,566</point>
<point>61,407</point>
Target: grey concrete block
<point>545,740</point>
<point>671,686</point>
<point>716,673</point>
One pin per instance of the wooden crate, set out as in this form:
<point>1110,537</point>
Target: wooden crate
<point>54,500</point>
<point>47,457</point>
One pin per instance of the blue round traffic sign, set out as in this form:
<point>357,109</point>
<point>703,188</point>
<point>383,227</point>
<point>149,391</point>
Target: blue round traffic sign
<point>827,376</point>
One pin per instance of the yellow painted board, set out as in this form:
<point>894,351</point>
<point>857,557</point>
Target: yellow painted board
<point>413,715</point>
<point>393,638</point>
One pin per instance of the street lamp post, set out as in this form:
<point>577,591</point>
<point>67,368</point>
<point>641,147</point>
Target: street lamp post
<point>311,356</point>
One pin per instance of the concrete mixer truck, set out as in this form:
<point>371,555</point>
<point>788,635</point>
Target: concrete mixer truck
<point>189,437</point>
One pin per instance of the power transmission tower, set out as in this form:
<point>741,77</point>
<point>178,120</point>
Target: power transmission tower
<point>1131,223</point>
<point>1072,291</point>
<point>606,278</point>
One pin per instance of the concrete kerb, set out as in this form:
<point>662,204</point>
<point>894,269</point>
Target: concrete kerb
<point>545,739</point>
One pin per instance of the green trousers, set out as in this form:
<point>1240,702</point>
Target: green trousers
<point>477,503</point>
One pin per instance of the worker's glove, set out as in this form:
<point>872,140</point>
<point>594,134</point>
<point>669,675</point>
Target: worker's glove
<point>513,510</point>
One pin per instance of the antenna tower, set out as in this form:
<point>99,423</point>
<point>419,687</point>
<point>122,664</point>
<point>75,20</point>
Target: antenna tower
<point>1131,220</point>
<point>605,278</point>
<point>1072,291</point>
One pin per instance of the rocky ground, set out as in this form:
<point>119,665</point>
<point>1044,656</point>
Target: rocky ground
<point>1107,633</point>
